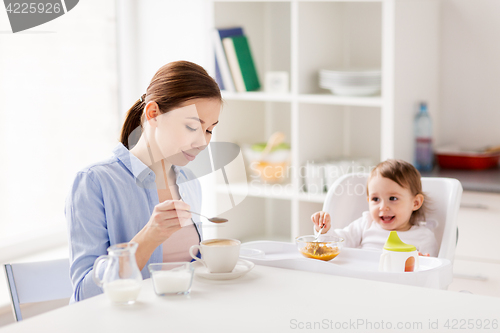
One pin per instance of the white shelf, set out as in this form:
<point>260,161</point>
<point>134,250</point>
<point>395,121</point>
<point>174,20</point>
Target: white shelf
<point>375,101</point>
<point>256,96</point>
<point>276,191</point>
<point>327,99</point>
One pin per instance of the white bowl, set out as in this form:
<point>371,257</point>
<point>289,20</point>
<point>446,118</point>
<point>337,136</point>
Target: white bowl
<point>355,90</point>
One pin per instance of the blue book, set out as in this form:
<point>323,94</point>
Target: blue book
<point>218,77</point>
<point>230,32</point>
<point>225,78</point>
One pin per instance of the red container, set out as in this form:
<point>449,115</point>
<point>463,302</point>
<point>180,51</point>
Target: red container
<point>470,161</point>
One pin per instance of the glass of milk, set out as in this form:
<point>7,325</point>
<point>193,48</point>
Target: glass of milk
<point>172,278</point>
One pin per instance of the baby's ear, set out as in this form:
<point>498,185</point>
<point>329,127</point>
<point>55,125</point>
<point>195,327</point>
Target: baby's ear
<point>418,201</point>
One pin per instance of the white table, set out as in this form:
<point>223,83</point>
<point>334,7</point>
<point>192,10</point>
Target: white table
<point>270,299</point>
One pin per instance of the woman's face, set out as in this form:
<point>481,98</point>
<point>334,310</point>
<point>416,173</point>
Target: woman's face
<point>181,134</point>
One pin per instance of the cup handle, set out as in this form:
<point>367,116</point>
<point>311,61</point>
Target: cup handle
<point>417,263</point>
<point>194,256</point>
<point>382,263</point>
<point>97,264</point>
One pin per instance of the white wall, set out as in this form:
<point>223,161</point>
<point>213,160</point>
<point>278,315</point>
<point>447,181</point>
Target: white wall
<point>58,113</point>
<point>155,32</point>
<point>470,69</point>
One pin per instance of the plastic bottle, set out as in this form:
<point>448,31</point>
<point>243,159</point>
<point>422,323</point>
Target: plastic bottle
<point>423,139</point>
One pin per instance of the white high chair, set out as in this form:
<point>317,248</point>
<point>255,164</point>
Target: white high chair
<point>346,201</point>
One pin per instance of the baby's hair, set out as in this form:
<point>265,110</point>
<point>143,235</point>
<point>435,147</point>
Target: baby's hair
<point>406,176</point>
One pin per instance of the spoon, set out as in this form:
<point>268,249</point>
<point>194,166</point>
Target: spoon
<point>319,234</point>
<point>273,141</point>
<point>213,219</point>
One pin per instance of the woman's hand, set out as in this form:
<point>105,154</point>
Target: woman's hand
<point>168,217</point>
<point>424,254</point>
<point>319,219</point>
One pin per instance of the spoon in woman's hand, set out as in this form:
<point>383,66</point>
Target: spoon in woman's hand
<point>213,219</point>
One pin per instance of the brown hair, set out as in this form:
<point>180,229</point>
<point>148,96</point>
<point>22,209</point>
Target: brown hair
<point>406,176</point>
<point>172,85</point>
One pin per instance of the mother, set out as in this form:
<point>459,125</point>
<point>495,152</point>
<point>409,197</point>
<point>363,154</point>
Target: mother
<point>142,193</point>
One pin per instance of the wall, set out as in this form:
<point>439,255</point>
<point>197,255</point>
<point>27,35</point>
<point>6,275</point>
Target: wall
<point>470,73</point>
<point>155,32</point>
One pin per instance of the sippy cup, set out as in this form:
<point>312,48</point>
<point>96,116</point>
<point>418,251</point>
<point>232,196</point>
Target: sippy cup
<point>398,256</point>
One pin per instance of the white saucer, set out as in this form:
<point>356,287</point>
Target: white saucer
<point>242,267</point>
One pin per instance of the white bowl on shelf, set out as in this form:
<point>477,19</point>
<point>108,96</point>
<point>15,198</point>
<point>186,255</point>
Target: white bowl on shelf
<point>351,82</point>
<point>342,90</point>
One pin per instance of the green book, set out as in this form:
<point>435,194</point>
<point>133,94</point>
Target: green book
<point>241,63</point>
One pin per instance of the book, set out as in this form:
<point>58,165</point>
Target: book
<point>222,72</point>
<point>218,76</point>
<point>240,60</point>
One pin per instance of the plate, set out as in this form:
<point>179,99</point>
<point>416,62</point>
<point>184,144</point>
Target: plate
<point>242,267</point>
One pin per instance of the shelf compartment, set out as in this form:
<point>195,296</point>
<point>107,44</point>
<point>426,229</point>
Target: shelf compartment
<point>344,132</point>
<point>336,35</point>
<point>248,122</point>
<point>266,25</point>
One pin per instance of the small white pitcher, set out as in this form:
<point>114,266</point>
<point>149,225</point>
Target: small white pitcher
<point>398,256</point>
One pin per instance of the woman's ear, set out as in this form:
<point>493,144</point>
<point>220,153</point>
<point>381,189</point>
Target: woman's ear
<point>152,111</point>
<point>418,201</point>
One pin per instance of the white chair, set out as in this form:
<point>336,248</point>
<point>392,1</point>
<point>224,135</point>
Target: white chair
<point>346,200</point>
<point>34,282</point>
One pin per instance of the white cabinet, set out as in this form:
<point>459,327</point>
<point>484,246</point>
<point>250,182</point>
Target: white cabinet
<point>301,37</point>
<point>477,257</point>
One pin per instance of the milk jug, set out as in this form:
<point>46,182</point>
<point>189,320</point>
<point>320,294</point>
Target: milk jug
<point>122,279</point>
<point>398,256</point>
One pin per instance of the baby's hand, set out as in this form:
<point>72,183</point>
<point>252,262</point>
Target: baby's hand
<point>424,254</point>
<point>319,219</point>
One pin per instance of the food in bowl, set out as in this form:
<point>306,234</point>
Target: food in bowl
<point>326,248</point>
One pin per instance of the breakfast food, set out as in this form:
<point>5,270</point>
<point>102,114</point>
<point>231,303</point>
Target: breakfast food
<point>319,250</point>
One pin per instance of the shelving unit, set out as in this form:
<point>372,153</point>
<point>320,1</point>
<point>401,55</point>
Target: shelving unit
<point>301,37</point>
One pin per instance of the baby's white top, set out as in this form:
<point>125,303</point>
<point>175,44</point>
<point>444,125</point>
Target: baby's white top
<point>364,233</point>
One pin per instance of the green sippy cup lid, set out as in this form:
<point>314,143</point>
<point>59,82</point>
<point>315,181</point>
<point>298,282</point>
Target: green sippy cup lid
<point>393,243</point>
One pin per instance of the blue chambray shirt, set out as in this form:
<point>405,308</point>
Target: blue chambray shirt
<point>109,203</point>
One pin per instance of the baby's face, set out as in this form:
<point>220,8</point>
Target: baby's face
<point>390,204</point>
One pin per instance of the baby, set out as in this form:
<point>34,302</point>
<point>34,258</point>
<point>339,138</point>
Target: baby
<point>396,202</point>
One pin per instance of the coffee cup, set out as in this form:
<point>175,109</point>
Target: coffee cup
<point>218,255</point>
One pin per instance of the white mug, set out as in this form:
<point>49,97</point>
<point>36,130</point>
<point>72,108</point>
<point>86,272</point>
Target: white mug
<point>218,255</point>
<point>394,261</point>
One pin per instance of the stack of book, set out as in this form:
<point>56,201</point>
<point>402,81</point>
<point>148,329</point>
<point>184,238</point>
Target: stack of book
<point>234,66</point>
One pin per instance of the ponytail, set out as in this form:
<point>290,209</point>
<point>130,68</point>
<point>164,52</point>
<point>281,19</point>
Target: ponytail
<point>133,122</point>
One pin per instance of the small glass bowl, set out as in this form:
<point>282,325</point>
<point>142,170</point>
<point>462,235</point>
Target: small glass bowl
<point>326,248</point>
<point>172,278</point>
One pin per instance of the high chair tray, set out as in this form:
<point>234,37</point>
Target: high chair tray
<point>357,263</point>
